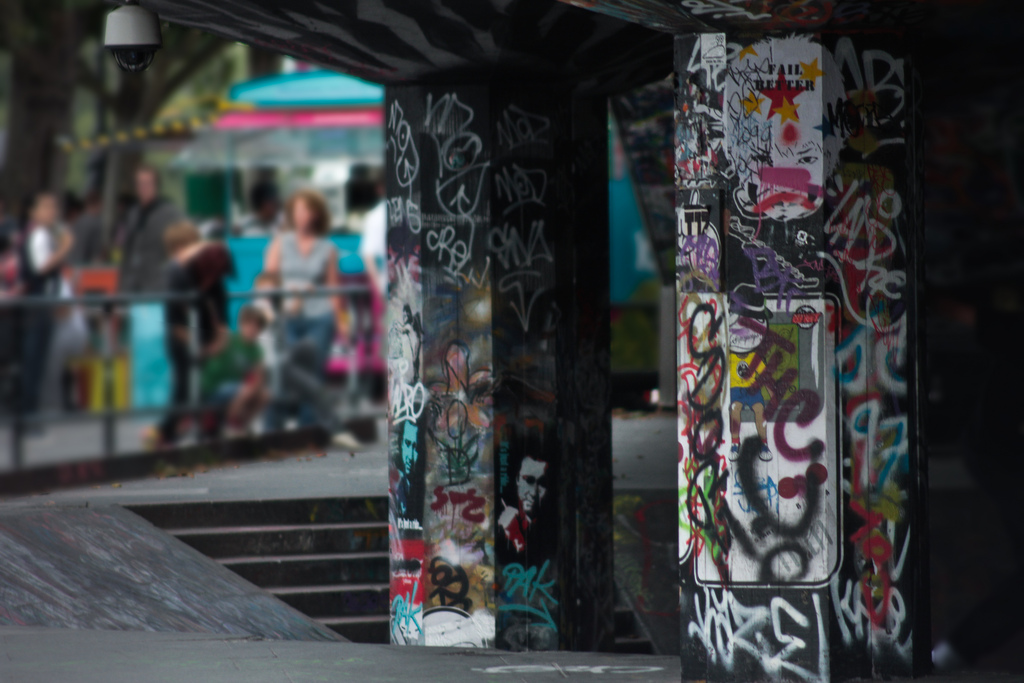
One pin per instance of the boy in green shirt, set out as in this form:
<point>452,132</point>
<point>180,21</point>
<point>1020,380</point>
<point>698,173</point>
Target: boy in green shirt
<point>233,378</point>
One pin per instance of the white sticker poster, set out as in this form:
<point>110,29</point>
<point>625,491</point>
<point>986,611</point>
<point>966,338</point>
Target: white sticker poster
<point>759,471</point>
<point>712,49</point>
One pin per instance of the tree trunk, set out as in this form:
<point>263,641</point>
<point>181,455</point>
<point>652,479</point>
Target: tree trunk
<point>263,62</point>
<point>42,94</point>
<point>129,110</point>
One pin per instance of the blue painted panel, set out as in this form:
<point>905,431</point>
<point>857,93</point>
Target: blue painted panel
<point>248,255</point>
<point>632,259</point>
<point>307,89</point>
<point>150,370</point>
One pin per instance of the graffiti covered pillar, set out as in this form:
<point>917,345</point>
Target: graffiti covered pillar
<point>802,531</point>
<point>499,435</point>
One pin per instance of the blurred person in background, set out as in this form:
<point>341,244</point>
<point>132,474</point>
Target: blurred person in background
<point>8,227</point>
<point>373,246</point>
<point>991,301</point>
<point>195,268</point>
<point>304,259</point>
<point>71,208</point>
<point>119,227</point>
<point>70,340</point>
<point>9,275</point>
<point>266,211</point>
<point>143,252</point>
<point>233,378</point>
<point>213,227</point>
<point>293,376</point>
<point>44,251</point>
<point>69,337</point>
<point>268,343</point>
<point>88,232</point>
<point>9,287</point>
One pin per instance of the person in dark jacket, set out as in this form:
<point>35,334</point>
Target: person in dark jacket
<point>199,268</point>
<point>88,232</point>
<point>143,252</point>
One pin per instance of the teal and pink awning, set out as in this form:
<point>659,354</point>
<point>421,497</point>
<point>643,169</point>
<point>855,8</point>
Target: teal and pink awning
<point>312,118</point>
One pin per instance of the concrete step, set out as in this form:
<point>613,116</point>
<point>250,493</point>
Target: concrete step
<point>625,621</point>
<point>372,629</point>
<point>628,636</point>
<point>633,646</point>
<point>286,539</point>
<point>98,567</point>
<point>339,600</point>
<point>311,570</point>
<point>264,512</point>
<point>327,558</point>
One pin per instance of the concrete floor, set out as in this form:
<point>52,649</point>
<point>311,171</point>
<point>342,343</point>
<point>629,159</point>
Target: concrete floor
<point>644,462</point>
<point>71,442</point>
<point>642,448</point>
<point>61,655</point>
<point>58,655</point>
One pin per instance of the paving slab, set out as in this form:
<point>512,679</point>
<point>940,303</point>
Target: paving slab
<point>40,655</point>
<point>81,656</point>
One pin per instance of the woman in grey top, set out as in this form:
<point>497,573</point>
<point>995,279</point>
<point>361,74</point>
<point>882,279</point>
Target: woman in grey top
<point>303,258</point>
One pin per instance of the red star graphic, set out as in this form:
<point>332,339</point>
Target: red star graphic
<point>781,93</point>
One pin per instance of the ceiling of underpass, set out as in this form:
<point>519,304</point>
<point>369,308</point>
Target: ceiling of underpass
<point>964,49</point>
<point>682,16</point>
<point>600,46</point>
<point>396,41</point>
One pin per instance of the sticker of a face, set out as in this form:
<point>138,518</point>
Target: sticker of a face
<point>404,342</point>
<point>410,432</point>
<point>747,319</point>
<point>532,486</point>
<point>745,333</point>
<point>775,127</point>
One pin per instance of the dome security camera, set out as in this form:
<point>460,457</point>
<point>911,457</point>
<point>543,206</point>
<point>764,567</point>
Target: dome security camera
<point>133,36</point>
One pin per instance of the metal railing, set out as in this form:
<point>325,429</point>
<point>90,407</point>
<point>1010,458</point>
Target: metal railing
<point>107,307</point>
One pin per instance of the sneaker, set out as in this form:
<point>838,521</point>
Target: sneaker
<point>735,451</point>
<point>151,440</point>
<point>346,442</point>
<point>236,431</point>
<point>766,453</point>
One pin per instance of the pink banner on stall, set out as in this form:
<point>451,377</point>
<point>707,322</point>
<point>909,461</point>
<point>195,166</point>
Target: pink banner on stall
<point>335,118</point>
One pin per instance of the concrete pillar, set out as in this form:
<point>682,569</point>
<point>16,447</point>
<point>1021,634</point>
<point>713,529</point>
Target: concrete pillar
<point>802,486</point>
<point>500,468</point>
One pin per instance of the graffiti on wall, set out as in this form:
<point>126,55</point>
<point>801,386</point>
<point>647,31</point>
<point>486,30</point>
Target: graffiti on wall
<point>699,243</point>
<point>758,474</point>
<point>522,249</point>
<point>473,327</point>
<point>794,420</point>
<point>645,121</point>
<point>440,383</point>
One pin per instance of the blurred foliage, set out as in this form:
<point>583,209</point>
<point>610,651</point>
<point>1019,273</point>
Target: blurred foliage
<point>634,344</point>
<point>188,56</point>
<point>51,51</point>
<point>635,339</point>
<point>648,291</point>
